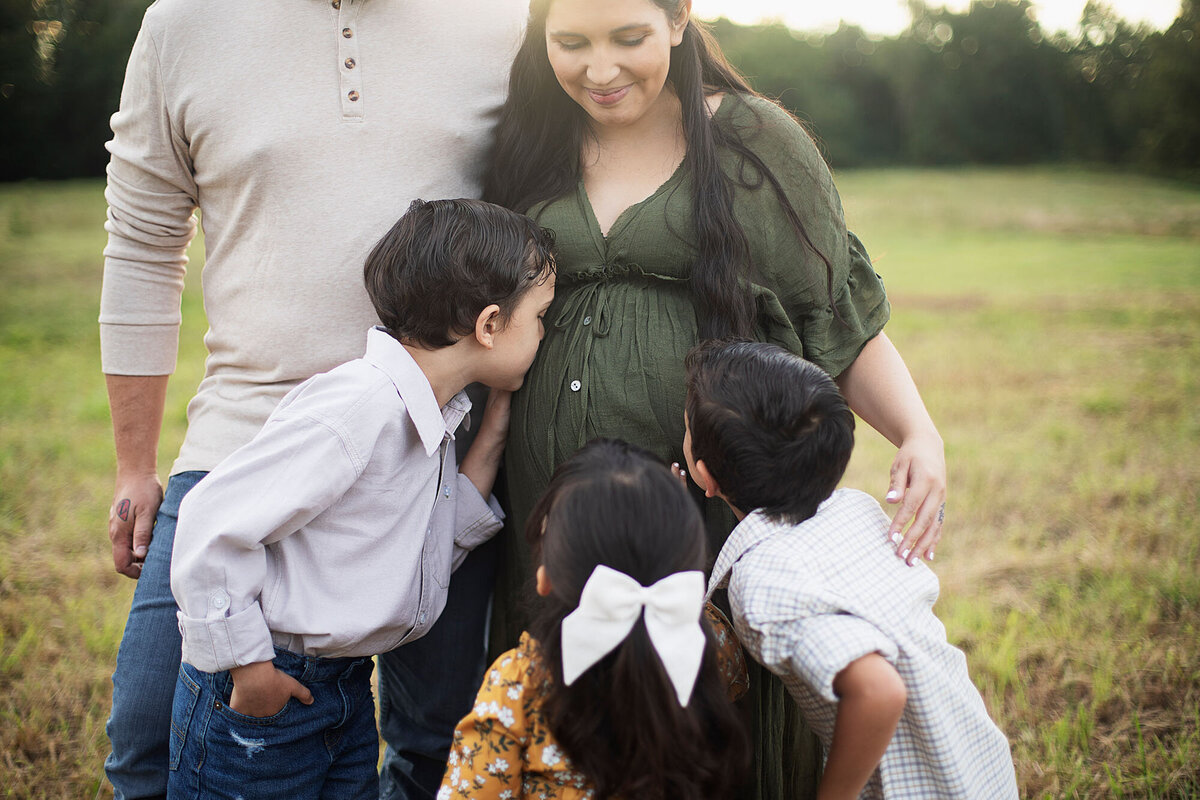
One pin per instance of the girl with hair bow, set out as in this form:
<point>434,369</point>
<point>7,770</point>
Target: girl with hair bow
<point>624,685</point>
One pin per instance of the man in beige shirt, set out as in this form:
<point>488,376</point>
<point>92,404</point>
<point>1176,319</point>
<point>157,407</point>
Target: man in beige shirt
<point>300,130</point>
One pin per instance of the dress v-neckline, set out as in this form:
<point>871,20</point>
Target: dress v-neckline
<point>629,213</point>
<point>603,238</point>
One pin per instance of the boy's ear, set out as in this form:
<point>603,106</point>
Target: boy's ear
<point>544,587</point>
<point>706,481</point>
<point>487,325</point>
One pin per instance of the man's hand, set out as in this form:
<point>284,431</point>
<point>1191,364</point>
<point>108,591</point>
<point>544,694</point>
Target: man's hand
<point>131,521</point>
<point>260,690</point>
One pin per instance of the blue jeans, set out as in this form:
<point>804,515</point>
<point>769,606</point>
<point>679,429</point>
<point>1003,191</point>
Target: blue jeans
<point>323,751</point>
<point>427,686</point>
<point>147,664</point>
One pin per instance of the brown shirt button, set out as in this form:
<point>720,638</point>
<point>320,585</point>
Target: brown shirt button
<point>350,63</point>
<point>347,32</point>
<point>337,3</point>
<point>353,95</point>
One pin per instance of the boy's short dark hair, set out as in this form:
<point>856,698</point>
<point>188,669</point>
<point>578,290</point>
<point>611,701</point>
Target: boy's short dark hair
<point>444,261</point>
<point>772,428</point>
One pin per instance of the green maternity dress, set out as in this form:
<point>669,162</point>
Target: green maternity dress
<point>611,363</point>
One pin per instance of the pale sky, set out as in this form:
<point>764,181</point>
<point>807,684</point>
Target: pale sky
<point>888,17</point>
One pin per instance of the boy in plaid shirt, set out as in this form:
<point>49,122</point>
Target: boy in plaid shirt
<point>817,593</point>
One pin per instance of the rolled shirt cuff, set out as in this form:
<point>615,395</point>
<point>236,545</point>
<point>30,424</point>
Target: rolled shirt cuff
<point>138,349</point>
<point>477,520</point>
<point>221,643</point>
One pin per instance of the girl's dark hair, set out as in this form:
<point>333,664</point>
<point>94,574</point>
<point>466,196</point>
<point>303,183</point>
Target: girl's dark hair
<point>536,152</point>
<point>620,722</point>
<point>445,261</point>
<point>772,428</point>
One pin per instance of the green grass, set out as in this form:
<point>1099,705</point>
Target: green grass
<point>1052,320</point>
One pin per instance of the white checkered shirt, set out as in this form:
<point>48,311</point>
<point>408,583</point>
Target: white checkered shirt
<point>809,599</point>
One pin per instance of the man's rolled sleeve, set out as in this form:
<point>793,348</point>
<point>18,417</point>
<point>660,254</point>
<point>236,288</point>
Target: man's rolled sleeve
<point>817,648</point>
<point>151,196</point>
<point>475,520</point>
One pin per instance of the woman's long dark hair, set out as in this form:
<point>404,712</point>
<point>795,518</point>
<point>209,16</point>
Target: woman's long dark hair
<point>620,722</point>
<point>540,135</point>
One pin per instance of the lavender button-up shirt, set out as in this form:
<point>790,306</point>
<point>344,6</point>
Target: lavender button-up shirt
<point>335,530</point>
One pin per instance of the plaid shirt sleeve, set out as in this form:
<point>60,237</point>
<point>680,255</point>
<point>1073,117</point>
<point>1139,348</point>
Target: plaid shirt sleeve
<point>815,648</point>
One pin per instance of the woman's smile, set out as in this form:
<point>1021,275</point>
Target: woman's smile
<point>612,58</point>
<point>608,97</point>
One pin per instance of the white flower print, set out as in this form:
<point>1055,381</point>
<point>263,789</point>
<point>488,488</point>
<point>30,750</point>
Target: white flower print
<point>506,794</point>
<point>505,716</point>
<point>443,793</point>
<point>550,755</point>
<point>514,692</point>
<point>496,767</point>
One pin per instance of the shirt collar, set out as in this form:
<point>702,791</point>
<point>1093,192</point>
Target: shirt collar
<point>433,424</point>
<point>745,536</point>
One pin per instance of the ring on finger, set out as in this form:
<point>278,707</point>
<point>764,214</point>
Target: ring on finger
<point>942,513</point>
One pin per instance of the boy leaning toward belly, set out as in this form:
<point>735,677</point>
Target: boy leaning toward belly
<point>817,594</point>
<point>331,536</point>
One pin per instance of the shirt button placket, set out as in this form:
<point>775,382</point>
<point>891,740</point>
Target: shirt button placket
<point>349,69</point>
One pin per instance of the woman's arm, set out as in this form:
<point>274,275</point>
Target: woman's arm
<point>878,387</point>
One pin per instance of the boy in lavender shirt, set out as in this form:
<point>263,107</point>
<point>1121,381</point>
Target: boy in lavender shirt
<point>331,535</point>
<point>817,593</point>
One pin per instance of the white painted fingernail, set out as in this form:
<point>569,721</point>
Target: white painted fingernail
<point>896,537</point>
<point>904,555</point>
<point>931,555</point>
<point>893,495</point>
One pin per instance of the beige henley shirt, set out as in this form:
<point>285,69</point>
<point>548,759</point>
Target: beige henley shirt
<point>301,129</point>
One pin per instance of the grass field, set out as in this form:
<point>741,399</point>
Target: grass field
<point>1052,320</point>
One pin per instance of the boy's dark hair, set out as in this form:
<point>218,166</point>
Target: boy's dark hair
<point>613,503</point>
<point>444,261</point>
<point>772,428</point>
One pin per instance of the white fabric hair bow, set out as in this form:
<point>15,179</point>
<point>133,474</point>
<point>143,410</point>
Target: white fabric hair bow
<point>609,607</point>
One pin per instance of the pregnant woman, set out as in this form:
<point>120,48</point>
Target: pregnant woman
<point>686,207</point>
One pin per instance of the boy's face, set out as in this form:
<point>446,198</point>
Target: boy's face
<point>687,452</point>
<point>517,343</point>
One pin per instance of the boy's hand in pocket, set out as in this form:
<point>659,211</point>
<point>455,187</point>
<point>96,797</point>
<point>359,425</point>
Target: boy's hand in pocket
<point>260,690</point>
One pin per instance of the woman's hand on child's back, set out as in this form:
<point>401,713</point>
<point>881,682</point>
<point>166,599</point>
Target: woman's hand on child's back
<point>260,690</point>
<point>918,484</point>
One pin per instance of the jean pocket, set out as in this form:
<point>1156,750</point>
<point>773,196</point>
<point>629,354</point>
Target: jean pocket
<point>187,692</point>
<point>225,710</point>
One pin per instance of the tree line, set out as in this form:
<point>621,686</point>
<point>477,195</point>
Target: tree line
<point>982,86</point>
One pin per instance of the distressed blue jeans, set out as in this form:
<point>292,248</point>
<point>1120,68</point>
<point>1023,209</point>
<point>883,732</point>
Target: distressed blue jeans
<point>326,750</point>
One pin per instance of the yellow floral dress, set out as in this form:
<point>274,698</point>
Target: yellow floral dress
<point>503,749</point>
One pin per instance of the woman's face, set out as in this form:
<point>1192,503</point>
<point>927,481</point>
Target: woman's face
<point>612,56</point>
